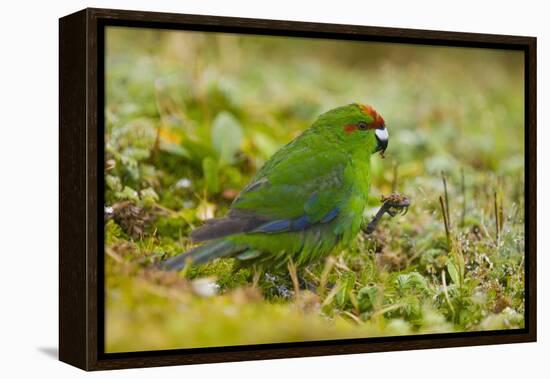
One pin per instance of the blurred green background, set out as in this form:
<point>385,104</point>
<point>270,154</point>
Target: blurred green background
<point>191,116</point>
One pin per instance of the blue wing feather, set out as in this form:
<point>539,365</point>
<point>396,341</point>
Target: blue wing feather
<point>276,226</point>
<point>294,225</point>
<point>300,223</point>
<point>331,215</point>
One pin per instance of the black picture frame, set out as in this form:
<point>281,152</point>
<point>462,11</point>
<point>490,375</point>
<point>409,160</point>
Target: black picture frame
<point>81,70</point>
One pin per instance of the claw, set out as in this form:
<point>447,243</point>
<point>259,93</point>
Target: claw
<point>393,205</point>
<point>393,212</point>
<point>396,201</point>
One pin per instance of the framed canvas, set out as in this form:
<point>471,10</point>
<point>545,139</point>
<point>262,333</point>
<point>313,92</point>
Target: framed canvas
<point>241,189</point>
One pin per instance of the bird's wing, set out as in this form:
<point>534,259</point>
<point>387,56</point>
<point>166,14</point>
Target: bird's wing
<point>299,187</point>
<point>307,182</point>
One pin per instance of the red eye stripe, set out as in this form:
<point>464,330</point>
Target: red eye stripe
<point>350,128</point>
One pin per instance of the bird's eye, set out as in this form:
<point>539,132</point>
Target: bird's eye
<point>362,125</point>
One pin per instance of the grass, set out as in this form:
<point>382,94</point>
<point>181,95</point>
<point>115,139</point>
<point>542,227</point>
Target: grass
<point>190,117</point>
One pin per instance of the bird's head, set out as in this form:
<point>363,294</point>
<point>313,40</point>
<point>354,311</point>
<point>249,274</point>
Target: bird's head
<point>358,126</point>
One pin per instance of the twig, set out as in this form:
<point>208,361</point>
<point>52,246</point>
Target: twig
<point>341,264</point>
<point>354,302</point>
<point>497,222</point>
<point>353,317</point>
<point>165,209</point>
<point>312,275</point>
<point>331,295</point>
<point>329,264</point>
<point>256,278</point>
<point>463,190</point>
<point>446,198</point>
<point>445,222</point>
<point>501,213</point>
<point>447,297</point>
<point>387,309</point>
<point>293,276</point>
<point>485,230</point>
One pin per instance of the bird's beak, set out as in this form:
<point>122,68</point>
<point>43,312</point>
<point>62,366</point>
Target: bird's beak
<point>382,137</point>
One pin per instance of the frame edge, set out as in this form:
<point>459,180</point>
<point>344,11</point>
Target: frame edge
<point>72,190</point>
<point>531,183</point>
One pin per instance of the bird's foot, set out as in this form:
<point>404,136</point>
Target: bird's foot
<point>307,285</point>
<point>277,286</point>
<point>393,205</point>
<point>280,288</point>
<point>396,204</point>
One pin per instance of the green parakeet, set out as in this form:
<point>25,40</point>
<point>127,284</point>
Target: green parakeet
<point>306,201</point>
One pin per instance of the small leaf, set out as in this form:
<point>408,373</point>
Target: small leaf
<point>149,197</point>
<point>367,297</point>
<point>453,272</point>
<point>127,194</point>
<point>412,281</point>
<point>347,284</point>
<point>227,136</point>
<point>402,281</point>
<point>174,149</point>
<point>461,265</point>
<point>136,153</point>
<point>210,170</point>
<point>417,281</point>
<point>113,182</point>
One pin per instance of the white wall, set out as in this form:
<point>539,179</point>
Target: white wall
<point>28,185</point>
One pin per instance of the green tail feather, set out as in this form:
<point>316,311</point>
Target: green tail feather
<point>201,254</point>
